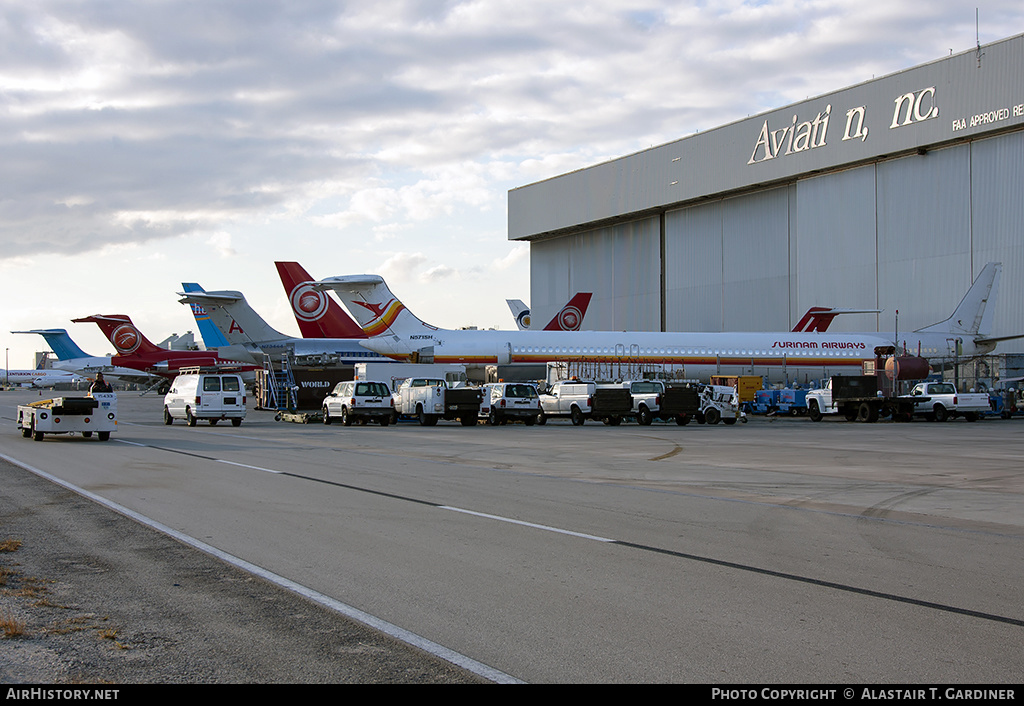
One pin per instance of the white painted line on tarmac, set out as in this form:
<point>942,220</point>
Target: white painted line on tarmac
<point>383,626</point>
<point>511,521</point>
<point>246,465</point>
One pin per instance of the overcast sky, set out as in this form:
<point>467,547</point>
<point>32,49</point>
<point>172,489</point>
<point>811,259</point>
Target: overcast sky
<point>147,143</point>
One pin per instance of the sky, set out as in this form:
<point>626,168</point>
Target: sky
<point>148,143</point>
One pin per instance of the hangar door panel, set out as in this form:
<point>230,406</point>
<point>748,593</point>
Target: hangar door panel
<point>834,246</point>
<point>755,267</point>
<point>620,265</point>
<point>549,279</point>
<point>693,268</point>
<point>924,235</point>
<point>997,172</point>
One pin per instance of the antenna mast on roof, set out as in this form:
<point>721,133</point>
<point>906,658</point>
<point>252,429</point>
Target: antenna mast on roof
<point>977,36</point>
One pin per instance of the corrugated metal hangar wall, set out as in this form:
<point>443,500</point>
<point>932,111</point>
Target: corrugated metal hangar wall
<point>906,224</point>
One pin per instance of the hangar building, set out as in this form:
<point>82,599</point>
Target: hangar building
<point>891,194</point>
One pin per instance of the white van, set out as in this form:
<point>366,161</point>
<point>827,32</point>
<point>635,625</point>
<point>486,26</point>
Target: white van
<point>211,396</point>
<point>359,400</point>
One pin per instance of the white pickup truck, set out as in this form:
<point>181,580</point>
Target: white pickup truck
<point>580,401</point>
<point>945,402</point>
<point>430,399</point>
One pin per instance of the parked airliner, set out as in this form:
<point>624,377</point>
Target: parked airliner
<point>41,377</point>
<point>394,331</point>
<point>568,318</point>
<point>72,358</point>
<point>250,337</point>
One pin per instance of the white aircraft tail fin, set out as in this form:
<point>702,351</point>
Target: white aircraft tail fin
<point>973,317</point>
<point>232,315</point>
<point>377,311</point>
<point>520,312</point>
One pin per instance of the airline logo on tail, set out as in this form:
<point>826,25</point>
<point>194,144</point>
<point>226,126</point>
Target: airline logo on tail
<point>570,318</point>
<point>126,339</point>
<point>384,316</point>
<point>307,303</point>
<point>317,315</point>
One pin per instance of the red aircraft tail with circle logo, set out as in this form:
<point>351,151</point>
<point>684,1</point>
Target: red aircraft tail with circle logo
<point>317,314</point>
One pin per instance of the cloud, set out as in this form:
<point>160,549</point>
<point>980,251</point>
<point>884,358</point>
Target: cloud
<point>133,123</point>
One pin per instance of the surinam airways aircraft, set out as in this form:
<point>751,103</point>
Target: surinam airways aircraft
<point>394,331</point>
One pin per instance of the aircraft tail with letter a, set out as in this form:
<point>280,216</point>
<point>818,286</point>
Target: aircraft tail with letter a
<point>317,314</point>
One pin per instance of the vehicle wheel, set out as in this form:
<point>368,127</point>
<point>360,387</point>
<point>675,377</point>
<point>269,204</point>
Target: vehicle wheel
<point>699,416</point>
<point>189,419</point>
<point>576,416</point>
<point>644,416</point>
<point>867,412</point>
<point>86,434</point>
<point>941,413</point>
<point>971,416</point>
<point>712,415</point>
<point>813,412</point>
<point>168,419</point>
<point>213,422</point>
<point>683,419</point>
<point>850,413</point>
<point>38,435</point>
<point>236,422</point>
<point>26,432</point>
<point>384,421</point>
<point>327,416</point>
<point>729,422</point>
<point>104,435</point>
<point>542,419</point>
<point>426,420</point>
<point>492,419</point>
<point>346,418</point>
<point>468,420</point>
<point>529,421</point>
<point>615,421</point>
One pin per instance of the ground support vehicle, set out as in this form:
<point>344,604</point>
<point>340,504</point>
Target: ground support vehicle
<point>504,401</point>
<point>394,374</point>
<point>653,399</point>
<point>431,399</point>
<point>70,415</point>
<point>719,403</point>
<point>765,401</point>
<point>857,398</point>
<point>791,401</point>
<point>580,401</point>
<point>944,402</point>
<point>1008,402</point>
<point>205,393</point>
<point>359,401</point>
<point>611,404</point>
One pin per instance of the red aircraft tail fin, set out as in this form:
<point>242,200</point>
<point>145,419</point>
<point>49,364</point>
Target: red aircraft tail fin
<point>570,318</point>
<point>317,314</point>
<point>817,318</point>
<point>122,333</point>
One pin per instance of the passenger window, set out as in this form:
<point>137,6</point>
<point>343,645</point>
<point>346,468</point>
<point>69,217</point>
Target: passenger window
<point>231,384</point>
<point>211,384</point>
